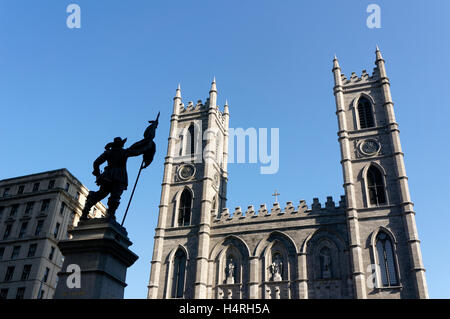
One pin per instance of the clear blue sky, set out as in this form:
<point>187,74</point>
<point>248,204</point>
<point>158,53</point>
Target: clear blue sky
<point>65,93</point>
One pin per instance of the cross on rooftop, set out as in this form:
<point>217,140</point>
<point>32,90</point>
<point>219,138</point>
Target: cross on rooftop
<point>276,194</point>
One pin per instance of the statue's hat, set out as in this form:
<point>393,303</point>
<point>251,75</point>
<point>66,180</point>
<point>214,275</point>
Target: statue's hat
<point>117,143</point>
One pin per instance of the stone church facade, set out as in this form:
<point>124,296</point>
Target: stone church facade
<point>363,246</point>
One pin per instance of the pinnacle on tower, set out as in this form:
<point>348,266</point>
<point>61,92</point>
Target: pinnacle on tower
<point>378,55</point>
<point>213,86</point>
<point>335,63</point>
<point>178,92</point>
<point>225,107</point>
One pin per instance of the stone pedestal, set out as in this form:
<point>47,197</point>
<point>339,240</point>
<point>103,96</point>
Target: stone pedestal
<point>98,248</point>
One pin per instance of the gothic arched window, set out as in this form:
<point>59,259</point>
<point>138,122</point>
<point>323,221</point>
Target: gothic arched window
<point>181,137</point>
<point>325,263</point>
<point>191,140</point>
<point>375,186</point>
<point>386,261</point>
<point>179,270</point>
<point>365,113</point>
<point>185,207</point>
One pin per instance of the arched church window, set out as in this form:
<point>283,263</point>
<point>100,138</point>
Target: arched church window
<point>325,263</point>
<point>365,113</point>
<point>179,270</point>
<point>181,137</point>
<point>375,186</point>
<point>185,207</point>
<point>191,140</point>
<point>386,261</point>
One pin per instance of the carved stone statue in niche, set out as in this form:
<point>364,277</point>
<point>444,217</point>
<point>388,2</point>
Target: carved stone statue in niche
<point>325,263</point>
<point>277,268</point>
<point>277,293</point>
<point>229,271</point>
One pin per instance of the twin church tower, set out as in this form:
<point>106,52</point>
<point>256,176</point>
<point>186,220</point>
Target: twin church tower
<point>364,246</point>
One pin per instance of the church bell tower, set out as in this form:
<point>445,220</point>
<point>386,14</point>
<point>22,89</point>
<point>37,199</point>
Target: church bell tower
<point>193,191</point>
<point>380,216</point>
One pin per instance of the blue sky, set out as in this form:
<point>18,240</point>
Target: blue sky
<point>65,93</point>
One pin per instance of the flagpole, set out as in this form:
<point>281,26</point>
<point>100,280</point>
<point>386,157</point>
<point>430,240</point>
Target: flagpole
<point>132,193</point>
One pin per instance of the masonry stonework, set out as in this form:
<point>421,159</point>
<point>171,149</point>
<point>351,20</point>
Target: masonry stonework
<point>365,245</point>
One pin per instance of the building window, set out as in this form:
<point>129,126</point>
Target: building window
<point>67,187</point>
<point>45,205</point>
<point>20,293</point>
<point>1,211</point>
<point>386,261</point>
<point>39,227</point>
<point>41,294</point>
<point>7,231</point>
<point>61,209</point>
<point>20,190</point>
<point>47,271</point>
<point>51,184</point>
<point>2,252</point>
<point>375,186</point>
<point>56,231</point>
<point>179,269</point>
<point>9,273</point>
<point>6,192</point>
<point>35,187</point>
<point>77,196</point>
<point>181,138</point>
<point>32,250</point>
<point>23,229</point>
<point>29,208</point>
<point>26,272</point>
<point>52,253</point>
<point>14,210</point>
<point>184,211</point>
<point>191,140</point>
<point>365,113</point>
<point>3,293</point>
<point>15,252</point>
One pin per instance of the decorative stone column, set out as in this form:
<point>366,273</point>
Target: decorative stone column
<point>97,257</point>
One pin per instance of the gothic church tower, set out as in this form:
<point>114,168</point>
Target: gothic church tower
<point>376,187</point>
<point>363,246</point>
<point>194,190</point>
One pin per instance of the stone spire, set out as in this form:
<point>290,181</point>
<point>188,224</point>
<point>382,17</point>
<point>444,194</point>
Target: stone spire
<point>178,92</point>
<point>177,100</point>
<point>378,55</point>
<point>380,64</point>
<point>336,63</point>
<point>337,72</point>
<point>225,108</point>
<point>213,94</point>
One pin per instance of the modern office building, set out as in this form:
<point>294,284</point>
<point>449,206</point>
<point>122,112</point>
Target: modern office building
<point>35,213</point>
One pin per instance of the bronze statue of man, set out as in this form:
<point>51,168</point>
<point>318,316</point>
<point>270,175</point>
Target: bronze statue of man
<point>114,179</point>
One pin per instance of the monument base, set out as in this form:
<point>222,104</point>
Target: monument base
<point>96,259</point>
